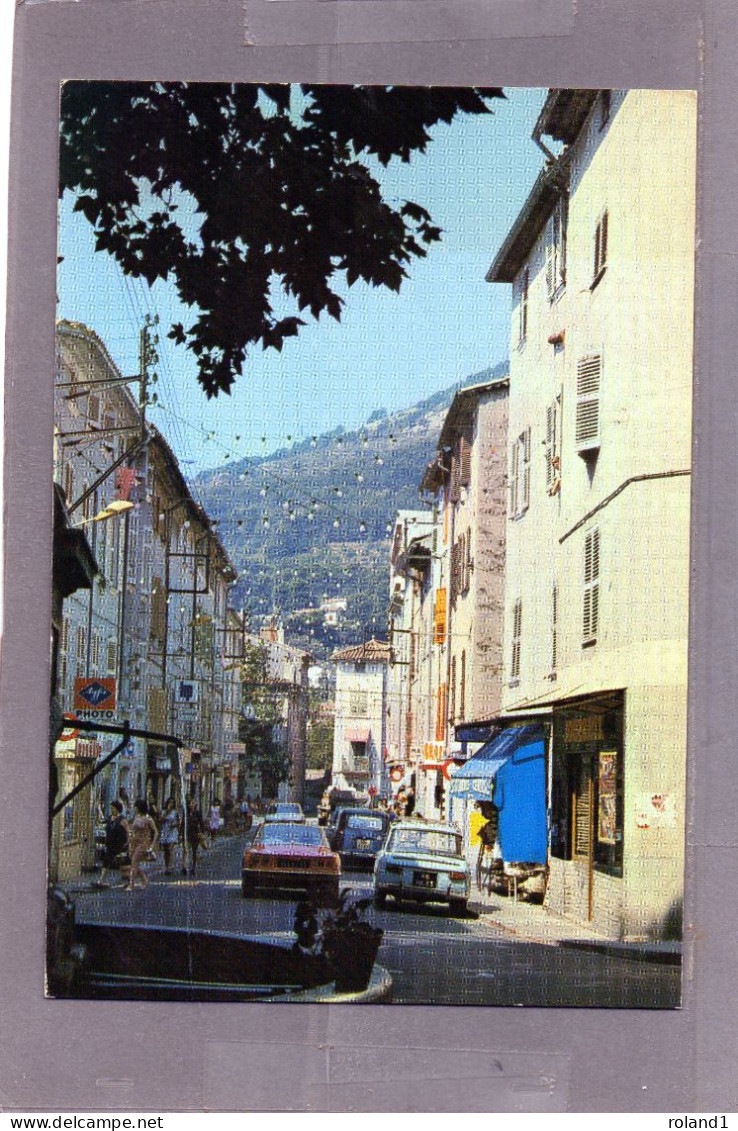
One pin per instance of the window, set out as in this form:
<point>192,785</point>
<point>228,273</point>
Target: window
<point>81,651</point>
<point>591,611</point>
<point>556,249</point>
<point>452,705</point>
<point>553,446</point>
<point>69,483</point>
<point>587,428</point>
<point>600,248</point>
<point>111,658</point>
<point>93,409</point>
<point>462,688</point>
<point>441,705</point>
<point>359,703</point>
<point>517,634</point>
<point>439,636</point>
<point>523,285</point>
<point>520,475</point>
<point>605,107</point>
<point>554,629</point>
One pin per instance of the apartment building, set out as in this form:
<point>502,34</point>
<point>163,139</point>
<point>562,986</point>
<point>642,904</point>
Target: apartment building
<point>597,574</point>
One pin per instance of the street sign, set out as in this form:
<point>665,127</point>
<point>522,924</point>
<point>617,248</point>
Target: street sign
<point>93,694</point>
<point>69,732</point>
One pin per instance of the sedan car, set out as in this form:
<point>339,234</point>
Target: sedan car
<point>286,811</point>
<point>358,835</point>
<point>291,858</point>
<point>423,861</point>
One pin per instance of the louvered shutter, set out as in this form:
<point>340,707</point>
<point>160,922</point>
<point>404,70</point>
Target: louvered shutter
<point>465,456</point>
<point>462,688</point>
<point>603,240</point>
<point>591,586</point>
<point>550,443</point>
<point>440,617</point>
<point>516,640</point>
<point>554,628</point>
<point>456,474</point>
<point>526,470</point>
<point>514,464</point>
<point>587,431</point>
<point>551,258</point>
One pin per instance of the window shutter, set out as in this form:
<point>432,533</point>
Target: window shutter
<point>514,464</point>
<point>591,610</point>
<point>551,258</point>
<point>440,617</point>
<point>516,640</point>
<point>550,443</point>
<point>462,688</point>
<point>465,454</point>
<point>587,431</point>
<point>455,474</point>
<point>526,470</point>
<point>554,628</point>
<point>452,706</point>
<point>93,408</point>
<point>603,240</point>
<point>111,658</point>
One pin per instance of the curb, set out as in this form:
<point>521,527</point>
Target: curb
<point>378,990</point>
<point>633,952</point>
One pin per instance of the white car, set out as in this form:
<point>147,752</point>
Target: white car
<point>281,812</point>
<point>423,861</point>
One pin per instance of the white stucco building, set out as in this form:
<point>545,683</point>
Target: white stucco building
<point>359,743</point>
<point>601,263</point>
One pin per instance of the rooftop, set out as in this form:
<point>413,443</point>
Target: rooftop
<point>371,651</point>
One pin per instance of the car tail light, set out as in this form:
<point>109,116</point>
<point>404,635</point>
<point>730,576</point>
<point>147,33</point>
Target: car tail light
<point>457,875</point>
<point>249,859</point>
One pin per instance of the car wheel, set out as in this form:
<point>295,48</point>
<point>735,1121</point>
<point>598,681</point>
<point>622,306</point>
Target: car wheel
<point>457,907</point>
<point>380,899</point>
<point>247,887</point>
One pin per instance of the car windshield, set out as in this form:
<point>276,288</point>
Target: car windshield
<point>284,810</point>
<point>289,834</point>
<point>435,841</point>
<point>360,821</point>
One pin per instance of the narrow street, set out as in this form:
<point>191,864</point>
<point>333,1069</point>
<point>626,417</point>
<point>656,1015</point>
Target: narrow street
<point>433,958</point>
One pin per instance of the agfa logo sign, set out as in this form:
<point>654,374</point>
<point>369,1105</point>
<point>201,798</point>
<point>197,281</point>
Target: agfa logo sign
<point>95,694</point>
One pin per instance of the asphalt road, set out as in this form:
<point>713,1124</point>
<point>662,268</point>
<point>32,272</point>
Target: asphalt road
<point>433,958</point>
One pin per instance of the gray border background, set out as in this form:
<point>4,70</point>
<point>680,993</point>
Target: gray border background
<point>147,1057</point>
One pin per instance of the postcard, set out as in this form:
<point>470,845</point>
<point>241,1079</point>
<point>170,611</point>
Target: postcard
<point>372,471</point>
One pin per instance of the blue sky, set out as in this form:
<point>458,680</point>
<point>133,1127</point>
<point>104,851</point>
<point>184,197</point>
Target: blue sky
<point>388,351</point>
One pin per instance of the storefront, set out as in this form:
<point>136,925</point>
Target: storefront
<point>587,811</point>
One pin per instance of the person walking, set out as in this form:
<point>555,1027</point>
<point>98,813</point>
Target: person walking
<point>169,833</point>
<point>214,822</point>
<point>116,843</point>
<point>195,832</point>
<point>143,838</point>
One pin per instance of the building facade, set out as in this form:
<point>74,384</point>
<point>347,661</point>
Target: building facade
<point>597,573</point>
<point>360,737</point>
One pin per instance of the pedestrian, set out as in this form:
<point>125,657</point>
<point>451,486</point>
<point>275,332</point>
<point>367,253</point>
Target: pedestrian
<point>247,818</point>
<point>143,838</point>
<point>214,819</point>
<point>409,801</point>
<point>116,843</point>
<point>195,832</point>
<point>169,834</point>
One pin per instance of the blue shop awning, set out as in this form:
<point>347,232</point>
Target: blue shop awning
<point>475,778</point>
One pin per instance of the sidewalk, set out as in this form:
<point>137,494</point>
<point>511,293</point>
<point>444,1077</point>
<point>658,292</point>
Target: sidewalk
<point>534,923</point>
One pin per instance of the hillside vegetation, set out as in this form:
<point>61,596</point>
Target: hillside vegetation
<point>313,521</point>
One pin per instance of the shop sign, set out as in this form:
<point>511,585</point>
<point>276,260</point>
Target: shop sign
<point>185,691</point>
<point>586,728</point>
<point>96,698</point>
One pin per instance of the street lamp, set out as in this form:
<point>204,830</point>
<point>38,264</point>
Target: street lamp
<point>118,506</point>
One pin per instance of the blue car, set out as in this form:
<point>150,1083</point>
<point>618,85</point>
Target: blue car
<point>423,861</point>
<point>358,835</point>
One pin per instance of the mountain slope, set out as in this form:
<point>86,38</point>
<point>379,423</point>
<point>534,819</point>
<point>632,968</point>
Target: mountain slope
<point>312,522</point>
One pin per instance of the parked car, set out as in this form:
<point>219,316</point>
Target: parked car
<point>287,811</point>
<point>358,835</point>
<point>291,858</point>
<point>422,861</point>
